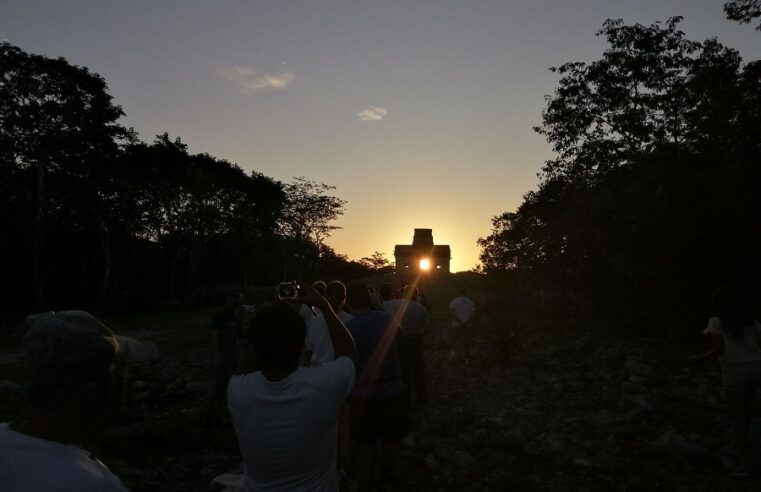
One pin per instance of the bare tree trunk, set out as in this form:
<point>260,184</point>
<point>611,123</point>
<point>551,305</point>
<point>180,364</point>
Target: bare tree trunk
<point>172,282</point>
<point>245,261</point>
<point>106,251</point>
<point>37,237</point>
<point>194,260</point>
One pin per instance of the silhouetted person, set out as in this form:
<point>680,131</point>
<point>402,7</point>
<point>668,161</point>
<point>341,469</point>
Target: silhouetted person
<point>736,337</point>
<point>414,319</point>
<point>318,336</point>
<point>285,416</point>
<point>422,299</point>
<point>377,409</point>
<point>386,292</point>
<point>462,311</point>
<point>320,287</point>
<point>74,387</point>
<point>225,329</point>
<point>300,303</point>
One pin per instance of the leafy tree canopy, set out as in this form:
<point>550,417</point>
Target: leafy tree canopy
<point>743,11</point>
<point>655,178</point>
<point>651,87</point>
<point>310,211</point>
<point>377,262</point>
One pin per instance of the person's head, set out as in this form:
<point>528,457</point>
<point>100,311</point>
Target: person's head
<point>70,356</point>
<point>74,371</point>
<point>320,287</point>
<point>277,333</point>
<point>728,304</point>
<point>411,292</point>
<point>335,293</point>
<point>358,296</point>
<point>386,292</point>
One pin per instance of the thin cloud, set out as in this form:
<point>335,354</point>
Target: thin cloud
<point>372,114</point>
<point>249,82</point>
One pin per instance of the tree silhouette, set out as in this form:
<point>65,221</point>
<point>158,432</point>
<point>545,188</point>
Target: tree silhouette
<point>377,262</point>
<point>308,217</point>
<point>92,216</point>
<point>651,199</point>
<point>59,131</point>
<point>743,11</point>
<point>185,202</point>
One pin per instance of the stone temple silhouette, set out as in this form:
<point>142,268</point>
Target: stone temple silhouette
<point>422,256</point>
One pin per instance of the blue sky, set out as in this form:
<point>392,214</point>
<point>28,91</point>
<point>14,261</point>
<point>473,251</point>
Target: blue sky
<point>419,112</point>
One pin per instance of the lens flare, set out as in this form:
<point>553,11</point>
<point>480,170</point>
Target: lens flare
<point>425,264</point>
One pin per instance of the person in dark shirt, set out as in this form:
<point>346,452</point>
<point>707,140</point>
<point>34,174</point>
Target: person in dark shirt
<point>377,409</point>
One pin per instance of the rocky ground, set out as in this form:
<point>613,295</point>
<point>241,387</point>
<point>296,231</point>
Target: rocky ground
<point>544,412</point>
<point>576,413</point>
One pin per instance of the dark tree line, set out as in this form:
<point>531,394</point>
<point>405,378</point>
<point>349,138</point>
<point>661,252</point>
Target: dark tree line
<point>655,194</point>
<point>91,215</point>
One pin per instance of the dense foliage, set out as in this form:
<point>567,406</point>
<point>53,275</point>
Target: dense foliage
<point>653,197</point>
<point>743,11</point>
<point>92,215</point>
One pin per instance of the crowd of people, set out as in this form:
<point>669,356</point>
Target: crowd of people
<point>354,399</point>
<point>319,385</point>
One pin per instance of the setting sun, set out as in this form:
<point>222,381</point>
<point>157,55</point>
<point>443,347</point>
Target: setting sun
<point>425,264</point>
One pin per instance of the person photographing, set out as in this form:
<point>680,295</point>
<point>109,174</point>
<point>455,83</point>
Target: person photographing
<point>285,416</point>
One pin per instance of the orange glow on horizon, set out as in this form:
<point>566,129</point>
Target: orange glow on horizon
<point>391,230</point>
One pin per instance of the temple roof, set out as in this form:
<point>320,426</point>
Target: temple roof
<point>409,249</point>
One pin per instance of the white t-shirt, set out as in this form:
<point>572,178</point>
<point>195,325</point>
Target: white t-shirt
<point>30,464</point>
<point>463,308</point>
<point>287,429</point>
<point>307,312</point>
<point>318,337</point>
<point>745,350</point>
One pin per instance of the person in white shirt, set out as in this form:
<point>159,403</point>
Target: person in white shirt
<point>285,416</point>
<point>462,310</point>
<point>736,337</point>
<point>318,337</point>
<point>74,385</point>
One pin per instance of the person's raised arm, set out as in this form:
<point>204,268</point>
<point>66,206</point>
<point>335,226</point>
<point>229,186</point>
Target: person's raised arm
<point>343,343</point>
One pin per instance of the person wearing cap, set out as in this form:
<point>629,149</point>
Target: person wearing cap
<point>285,416</point>
<point>73,389</point>
<point>318,337</point>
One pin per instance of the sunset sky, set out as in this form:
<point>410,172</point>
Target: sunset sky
<point>420,113</point>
